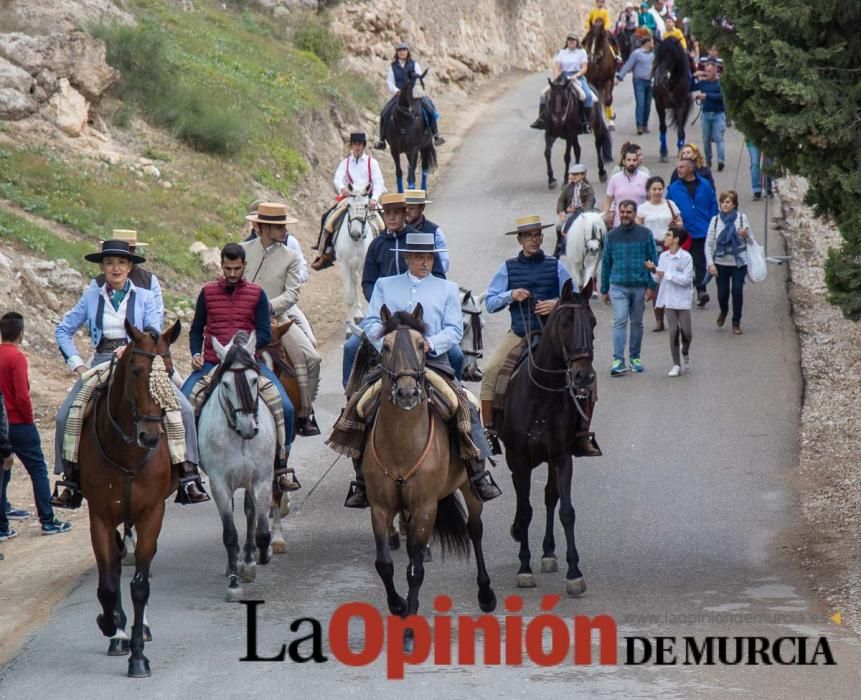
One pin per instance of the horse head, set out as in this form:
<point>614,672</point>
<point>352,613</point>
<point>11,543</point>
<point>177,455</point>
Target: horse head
<point>570,329</point>
<point>559,100</point>
<point>144,369</point>
<point>357,214</point>
<point>236,380</point>
<point>403,357</point>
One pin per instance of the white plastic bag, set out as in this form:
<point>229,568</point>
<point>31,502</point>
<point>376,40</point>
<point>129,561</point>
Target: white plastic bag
<point>757,267</point>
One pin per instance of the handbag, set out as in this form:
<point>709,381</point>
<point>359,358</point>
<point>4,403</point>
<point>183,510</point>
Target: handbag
<point>757,267</point>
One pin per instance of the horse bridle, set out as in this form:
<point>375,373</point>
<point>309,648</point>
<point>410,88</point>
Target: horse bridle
<point>363,219</point>
<point>136,417</point>
<point>417,373</point>
<point>230,411</point>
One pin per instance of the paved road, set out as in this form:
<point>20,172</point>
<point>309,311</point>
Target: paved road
<point>683,526</point>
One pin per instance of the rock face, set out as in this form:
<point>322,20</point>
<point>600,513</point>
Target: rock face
<point>68,109</point>
<point>48,16</point>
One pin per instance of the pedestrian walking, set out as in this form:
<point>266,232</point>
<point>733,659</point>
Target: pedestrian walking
<point>628,184</point>
<point>757,165</point>
<point>639,64</point>
<point>713,117</point>
<point>726,257</point>
<point>6,460</point>
<point>627,284</point>
<point>674,274</point>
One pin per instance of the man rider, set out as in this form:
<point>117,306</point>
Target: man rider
<point>402,71</point>
<point>358,172</point>
<point>440,301</point>
<point>529,285</point>
<point>416,202</point>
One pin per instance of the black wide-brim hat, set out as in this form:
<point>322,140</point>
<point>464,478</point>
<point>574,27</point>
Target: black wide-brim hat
<point>115,249</point>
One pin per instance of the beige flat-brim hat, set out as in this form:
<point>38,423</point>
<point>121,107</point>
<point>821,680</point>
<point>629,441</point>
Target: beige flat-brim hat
<point>416,197</point>
<point>527,223</point>
<point>393,200</point>
<point>271,213</point>
<point>128,235</point>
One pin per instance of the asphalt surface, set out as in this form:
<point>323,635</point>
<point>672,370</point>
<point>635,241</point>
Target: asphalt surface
<point>684,526</point>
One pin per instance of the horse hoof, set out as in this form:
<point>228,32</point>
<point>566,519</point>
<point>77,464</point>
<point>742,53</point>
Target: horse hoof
<point>248,572</point>
<point>664,159</point>
<point>526,581</point>
<point>487,601</point>
<point>108,628</point>
<point>409,642</point>
<point>575,587</point>
<point>602,177</point>
<point>428,554</point>
<point>118,647</point>
<point>549,565</point>
<point>264,557</point>
<point>279,547</point>
<point>147,634</point>
<point>551,185</point>
<point>515,533</point>
<point>234,594</point>
<point>397,606</point>
<point>139,668</point>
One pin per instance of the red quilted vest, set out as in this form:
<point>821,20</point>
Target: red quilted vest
<point>228,313</point>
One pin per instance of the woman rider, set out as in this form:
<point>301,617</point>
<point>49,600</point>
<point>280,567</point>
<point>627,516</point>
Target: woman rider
<point>104,310</point>
<point>402,70</point>
<point>572,62</point>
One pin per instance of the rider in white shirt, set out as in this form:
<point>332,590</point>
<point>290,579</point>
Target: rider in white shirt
<point>359,172</point>
<point>572,62</point>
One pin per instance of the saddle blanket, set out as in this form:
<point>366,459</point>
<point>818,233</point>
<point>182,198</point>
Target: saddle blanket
<point>93,380</point>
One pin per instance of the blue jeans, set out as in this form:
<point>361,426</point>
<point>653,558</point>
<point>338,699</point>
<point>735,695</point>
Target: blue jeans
<point>755,172</point>
<point>714,126</point>
<point>351,349</point>
<point>643,100</point>
<point>731,277</point>
<point>628,305</point>
<point>289,414</point>
<point>27,446</point>
<point>587,103</point>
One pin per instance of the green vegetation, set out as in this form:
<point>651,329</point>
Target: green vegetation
<point>791,82</point>
<point>44,242</point>
<point>312,33</point>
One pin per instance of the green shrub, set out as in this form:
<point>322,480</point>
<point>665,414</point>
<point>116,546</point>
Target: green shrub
<point>313,34</point>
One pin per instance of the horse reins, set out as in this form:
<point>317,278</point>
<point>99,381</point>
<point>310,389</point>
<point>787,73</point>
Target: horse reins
<point>400,480</point>
<point>243,391</point>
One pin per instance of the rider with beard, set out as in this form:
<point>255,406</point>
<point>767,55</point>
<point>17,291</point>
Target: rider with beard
<point>415,213</point>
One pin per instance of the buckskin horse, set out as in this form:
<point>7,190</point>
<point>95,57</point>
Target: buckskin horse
<point>544,414</point>
<point>671,77</point>
<point>562,119</point>
<point>601,70</point>
<point>126,476</point>
<point>406,132</point>
<point>410,467</point>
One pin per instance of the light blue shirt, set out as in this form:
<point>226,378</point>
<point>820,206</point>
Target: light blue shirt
<point>440,302</point>
<point>498,294</point>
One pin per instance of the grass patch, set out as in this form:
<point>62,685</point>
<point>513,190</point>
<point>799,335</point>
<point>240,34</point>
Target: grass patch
<point>312,33</point>
<point>44,242</point>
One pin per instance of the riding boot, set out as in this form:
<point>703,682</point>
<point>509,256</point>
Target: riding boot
<point>285,477</point>
<point>585,444</point>
<point>489,430</point>
<point>539,123</point>
<point>659,320</point>
<point>327,257</point>
<point>356,496</point>
<point>71,496</point>
<point>307,426</point>
<point>480,480</point>
<point>190,489</point>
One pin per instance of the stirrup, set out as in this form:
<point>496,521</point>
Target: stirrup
<point>294,482</point>
<point>493,440</point>
<point>358,496</point>
<point>182,495</point>
<point>484,479</point>
<point>579,452</point>
<point>75,500</point>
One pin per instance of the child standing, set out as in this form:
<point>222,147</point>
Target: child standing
<point>675,275</point>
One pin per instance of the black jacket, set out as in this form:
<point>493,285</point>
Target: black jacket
<point>5,445</point>
<point>381,260</point>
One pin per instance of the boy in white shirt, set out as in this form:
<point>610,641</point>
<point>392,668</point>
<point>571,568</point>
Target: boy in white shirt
<point>675,275</point>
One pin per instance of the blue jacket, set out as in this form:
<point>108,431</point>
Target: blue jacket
<point>713,101</point>
<point>697,213</point>
<point>440,302</point>
<point>142,278</point>
<point>382,261</point>
<point>626,250</point>
<point>141,312</point>
<point>541,274</point>
<point>403,74</point>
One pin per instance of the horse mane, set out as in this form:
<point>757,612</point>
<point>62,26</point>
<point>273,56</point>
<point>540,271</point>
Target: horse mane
<point>403,318</point>
<point>671,56</point>
<point>236,353</point>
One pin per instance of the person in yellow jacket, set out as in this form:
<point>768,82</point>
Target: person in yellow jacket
<point>602,14</point>
<point>674,32</point>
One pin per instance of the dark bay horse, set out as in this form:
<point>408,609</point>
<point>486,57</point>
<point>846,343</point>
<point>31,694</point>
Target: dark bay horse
<point>545,408</point>
<point>562,119</point>
<point>410,467</point>
<point>126,477</point>
<point>602,68</point>
<point>406,132</point>
<point>671,77</point>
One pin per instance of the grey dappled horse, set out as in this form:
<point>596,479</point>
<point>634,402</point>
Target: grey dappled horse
<point>237,438</point>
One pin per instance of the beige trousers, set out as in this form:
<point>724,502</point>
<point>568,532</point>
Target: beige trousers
<point>306,361</point>
<point>494,364</point>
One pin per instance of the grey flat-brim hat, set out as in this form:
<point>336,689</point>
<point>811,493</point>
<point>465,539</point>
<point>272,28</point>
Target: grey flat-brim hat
<point>420,243</point>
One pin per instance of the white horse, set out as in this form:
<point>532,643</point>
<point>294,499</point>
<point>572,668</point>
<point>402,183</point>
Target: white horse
<point>357,229</point>
<point>238,443</point>
<point>472,342</point>
<point>584,247</point>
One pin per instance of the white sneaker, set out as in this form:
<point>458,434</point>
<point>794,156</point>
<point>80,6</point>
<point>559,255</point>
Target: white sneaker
<point>675,371</point>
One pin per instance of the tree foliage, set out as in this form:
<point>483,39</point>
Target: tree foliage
<point>792,81</point>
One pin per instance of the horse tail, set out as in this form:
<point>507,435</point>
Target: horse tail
<point>450,527</point>
<point>606,142</point>
<point>429,159</point>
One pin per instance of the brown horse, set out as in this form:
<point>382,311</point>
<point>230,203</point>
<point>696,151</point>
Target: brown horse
<point>410,467</point>
<point>126,476</point>
<point>602,68</point>
<point>277,359</point>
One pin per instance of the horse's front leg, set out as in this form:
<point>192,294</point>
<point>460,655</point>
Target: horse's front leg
<point>399,173</point>
<point>548,153</point>
<point>248,566</point>
<point>680,137</point>
<point>486,596</point>
<point>520,476</point>
<point>380,521</point>
<point>148,532</point>
<point>262,534</point>
<point>229,536</point>
<point>662,128</point>
<point>575,584</point>
<point>119,644</point>
<point>418,536</point>
<point>413,160</point>
<point>608,104</point>
<point>549,564</point>
<point>107,554</point>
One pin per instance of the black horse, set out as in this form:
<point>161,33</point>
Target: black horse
<point>671,77</point>
<point>547,405</point>
<point>563,119</point>
<point>406,132</point>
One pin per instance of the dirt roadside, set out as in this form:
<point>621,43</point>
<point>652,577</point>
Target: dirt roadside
<point>39,571</point>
